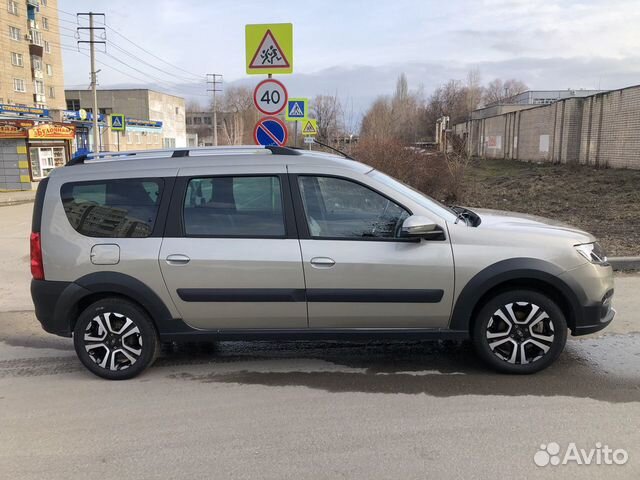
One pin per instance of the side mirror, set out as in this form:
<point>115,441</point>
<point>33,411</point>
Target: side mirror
<point>420,227</point>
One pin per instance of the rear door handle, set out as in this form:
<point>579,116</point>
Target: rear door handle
<point>177,259</point>
<point>323,262</point>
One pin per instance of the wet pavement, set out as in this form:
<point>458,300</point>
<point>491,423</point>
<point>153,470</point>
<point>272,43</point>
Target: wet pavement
<point>310,410</point>
<point>604,368</point>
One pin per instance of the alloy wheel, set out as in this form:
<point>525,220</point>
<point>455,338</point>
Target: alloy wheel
<point>520,333</point>
<point>113,341</point>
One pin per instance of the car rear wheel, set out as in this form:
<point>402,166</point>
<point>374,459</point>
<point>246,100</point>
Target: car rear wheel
<point>519,331</point>
<point>115,339</point>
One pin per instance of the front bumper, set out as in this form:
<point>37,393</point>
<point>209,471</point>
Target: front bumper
<point>593,287</point>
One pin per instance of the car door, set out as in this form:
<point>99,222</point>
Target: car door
<point>359,272</point>
<point>231,257</point>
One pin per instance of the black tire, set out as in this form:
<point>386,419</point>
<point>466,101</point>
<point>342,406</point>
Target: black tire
<point>495,342</point>
<point>100,332</point>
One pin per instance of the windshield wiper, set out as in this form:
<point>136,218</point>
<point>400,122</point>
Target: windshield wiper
<point>470,218</point>
<point>460,213</point>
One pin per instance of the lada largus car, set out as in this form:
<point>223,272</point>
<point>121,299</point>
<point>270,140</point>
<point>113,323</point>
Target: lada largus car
<point>129,250</point>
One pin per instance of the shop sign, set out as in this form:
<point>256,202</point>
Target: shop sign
<point>52,131</point>
<point>15,129</point>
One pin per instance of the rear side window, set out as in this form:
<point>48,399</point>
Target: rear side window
<point>123,208</point>
<point>234,207</point>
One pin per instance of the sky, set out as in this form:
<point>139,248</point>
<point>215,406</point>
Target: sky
<point>356,49</point>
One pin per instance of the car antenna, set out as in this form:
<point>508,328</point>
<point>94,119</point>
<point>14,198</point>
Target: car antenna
<point>334,149</point>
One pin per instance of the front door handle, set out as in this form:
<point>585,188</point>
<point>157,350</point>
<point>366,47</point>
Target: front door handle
<point>323,262</point>
<point>177,259</point>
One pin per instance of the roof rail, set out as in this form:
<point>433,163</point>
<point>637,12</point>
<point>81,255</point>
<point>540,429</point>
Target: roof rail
<point>180,152</point>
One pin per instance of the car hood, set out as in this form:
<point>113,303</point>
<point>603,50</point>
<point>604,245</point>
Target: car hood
<point>535,224</point>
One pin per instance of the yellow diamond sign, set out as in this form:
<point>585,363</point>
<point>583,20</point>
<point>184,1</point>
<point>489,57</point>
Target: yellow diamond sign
<point>310,127</point>
<point>269,48</point>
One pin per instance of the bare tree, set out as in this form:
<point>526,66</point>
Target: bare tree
<point>327,110</point>
<point>399,118</point>
<point>498,91</point>
<point>237,115</point>
<point>193,106</point>
<point>474,91</point>
<point>376,123</point>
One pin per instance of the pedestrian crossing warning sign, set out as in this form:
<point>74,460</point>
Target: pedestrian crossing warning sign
<point>117,122</point>
<point>269,48</point>
<point>310,127</point>
<point>296,109</point>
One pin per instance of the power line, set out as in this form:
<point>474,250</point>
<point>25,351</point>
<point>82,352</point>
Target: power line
<point>159,80</point>
<point>151,54</point>
<point>126,52</point>
<point>171,88</point>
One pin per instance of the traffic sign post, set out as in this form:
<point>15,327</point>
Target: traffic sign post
<point>270,96</point>
<point>297,109</point>
<point>269,48</point>
<point>270,131</point>
<point>117,124</point>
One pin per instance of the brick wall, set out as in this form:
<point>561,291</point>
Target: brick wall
<point>601,130</point>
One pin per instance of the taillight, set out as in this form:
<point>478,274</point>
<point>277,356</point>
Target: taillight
<point>37,267</point>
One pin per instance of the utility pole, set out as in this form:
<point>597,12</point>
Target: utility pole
<point>213,82</point>
<point>94,73</point>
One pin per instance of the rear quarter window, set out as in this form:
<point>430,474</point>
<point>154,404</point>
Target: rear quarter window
<point>122,208</point>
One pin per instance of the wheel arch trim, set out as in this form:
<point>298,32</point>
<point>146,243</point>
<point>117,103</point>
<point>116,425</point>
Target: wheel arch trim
<point>117,284</point>
<point>515,269</point>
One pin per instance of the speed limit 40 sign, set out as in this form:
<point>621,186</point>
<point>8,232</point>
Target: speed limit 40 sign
<point>270,96</point>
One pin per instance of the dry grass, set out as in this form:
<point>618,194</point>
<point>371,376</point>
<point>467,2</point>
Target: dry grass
<point>605,202</point>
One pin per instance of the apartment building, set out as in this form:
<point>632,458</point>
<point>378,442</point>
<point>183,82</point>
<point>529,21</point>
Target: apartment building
<point>31,71</point>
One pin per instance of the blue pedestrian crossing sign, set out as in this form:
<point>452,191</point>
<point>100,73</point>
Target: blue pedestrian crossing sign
<point>117,122</point>
<point>270,132</point>
<point>297,109</point>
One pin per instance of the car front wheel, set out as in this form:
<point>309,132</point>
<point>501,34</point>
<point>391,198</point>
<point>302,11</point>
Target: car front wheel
<point>115,339</point>
<point>520,331</point>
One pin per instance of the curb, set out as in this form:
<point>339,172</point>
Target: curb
<point>8,199</point>
<point>625,263</point>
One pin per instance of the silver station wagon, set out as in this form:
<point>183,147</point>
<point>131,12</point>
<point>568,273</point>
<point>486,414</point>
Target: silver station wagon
<point>132,249</point>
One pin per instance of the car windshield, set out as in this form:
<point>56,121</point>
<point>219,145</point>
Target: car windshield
<point>415,195</point>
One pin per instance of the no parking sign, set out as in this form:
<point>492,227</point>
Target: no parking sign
<point>270,131</point>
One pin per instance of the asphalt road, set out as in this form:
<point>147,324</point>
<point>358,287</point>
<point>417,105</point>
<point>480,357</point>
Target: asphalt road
<point>309,409</point>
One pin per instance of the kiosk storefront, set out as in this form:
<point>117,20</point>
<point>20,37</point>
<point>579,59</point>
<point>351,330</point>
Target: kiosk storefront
<point>49,147</point>
<point>29,152</point>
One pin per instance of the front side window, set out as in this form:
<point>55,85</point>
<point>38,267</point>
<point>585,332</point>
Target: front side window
<point>339,208</point>
<point>123,208</point>
<point>234,206</point>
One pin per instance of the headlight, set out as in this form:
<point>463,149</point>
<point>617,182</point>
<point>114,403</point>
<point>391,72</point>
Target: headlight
<point>592,252</point>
